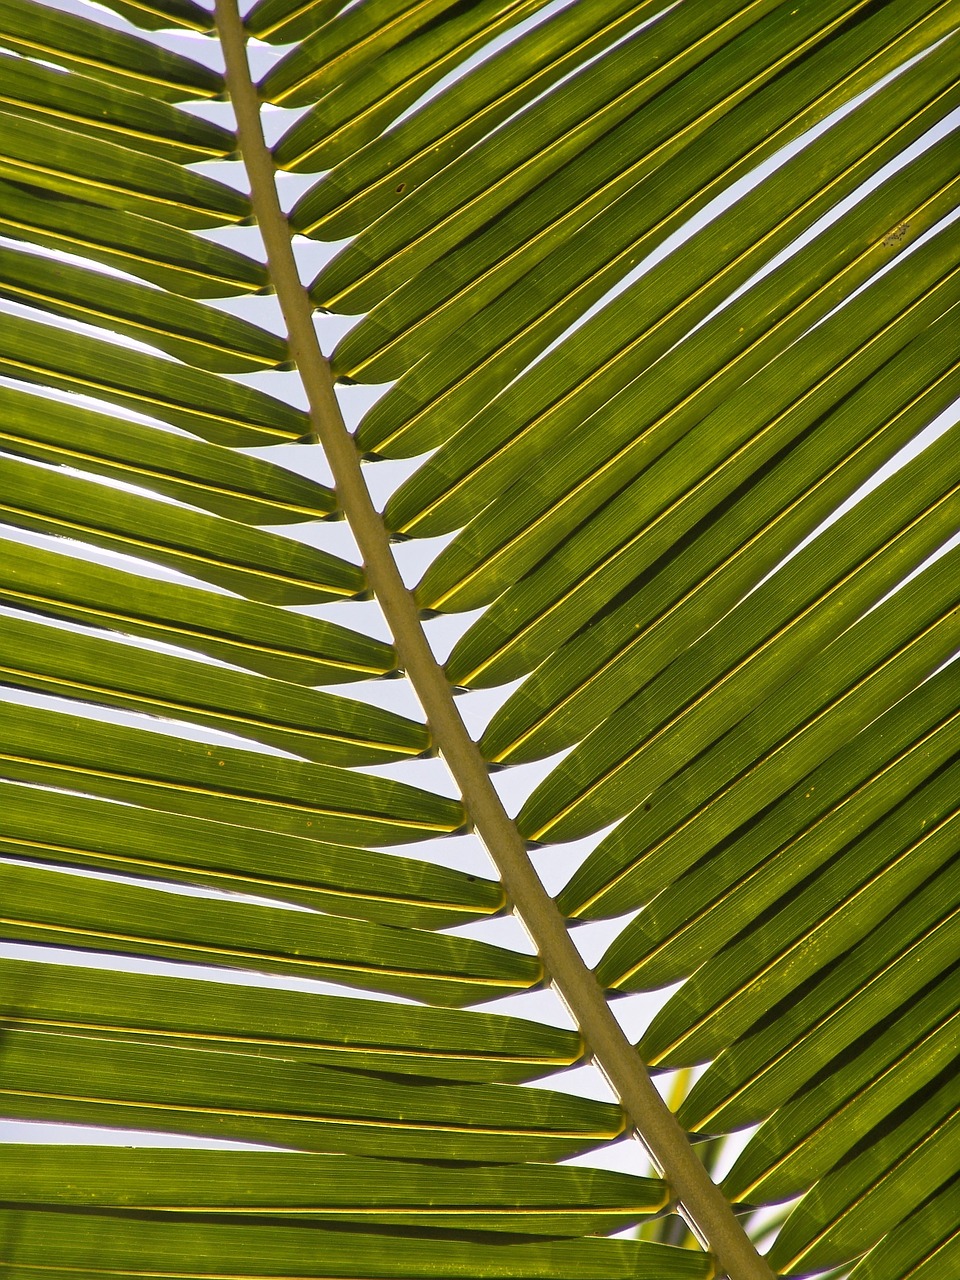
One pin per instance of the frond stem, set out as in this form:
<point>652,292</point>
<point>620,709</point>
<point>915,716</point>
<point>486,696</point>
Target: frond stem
<point>699,1199</point>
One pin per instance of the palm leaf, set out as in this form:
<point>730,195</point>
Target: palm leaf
<point>667,302</point>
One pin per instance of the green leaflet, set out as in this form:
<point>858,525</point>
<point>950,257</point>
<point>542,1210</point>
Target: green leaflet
<point>249,561</point>
<point>808,929</point>
<point>294,1104</point>
<point>636,960</point>
<point>364,185</point>
<point>786,1153</point>
<point>491,177</point>
<point>610,440</point>
<point>840,693</point>
<point>39,31</point>
<point>269,1022</point>
<point>165,255</point>
<point>83,104</point>
<point>884,974</point>
<point>729,550</point>
<point>814,597</point>
<point>507,308</point>
<point>220,480</point>
<point>365,37</point>
<point>287,646</point>
<point>157,14</point>
<point>631,535</point>
<point>272,19</point>
<point>85,168</point>
<point>878,767</point>
<point>527,1199</point>
<point>220,783</point>
<point>487,556</point>
<point>89,1244</point>
<point>191,331</point>
<point>87,912</point>
<point>78,831</point>
<point>305,722</point>
<point>922,1247</point>
<point>886,1183</point>
<point>193,399</point>
<point>358,108</point>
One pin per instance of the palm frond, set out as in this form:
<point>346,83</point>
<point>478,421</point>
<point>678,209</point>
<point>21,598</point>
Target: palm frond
<point>666,298</point>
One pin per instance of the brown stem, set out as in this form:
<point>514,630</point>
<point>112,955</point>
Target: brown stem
<point>701,1202</point>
